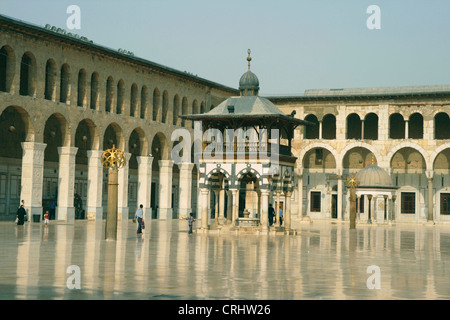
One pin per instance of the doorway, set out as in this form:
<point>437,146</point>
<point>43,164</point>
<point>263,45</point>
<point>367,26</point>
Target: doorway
<point>334,206</point>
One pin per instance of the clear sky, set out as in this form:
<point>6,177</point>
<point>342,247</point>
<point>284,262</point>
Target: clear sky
<point>296,44</point>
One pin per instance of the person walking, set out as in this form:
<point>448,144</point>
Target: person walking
<point>21,214</point>
<point>46,218</point>
<point>190,220</point>
<point>139,216</point>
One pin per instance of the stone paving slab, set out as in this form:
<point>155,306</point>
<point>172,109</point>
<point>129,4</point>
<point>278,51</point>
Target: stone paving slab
<point>323,261</point>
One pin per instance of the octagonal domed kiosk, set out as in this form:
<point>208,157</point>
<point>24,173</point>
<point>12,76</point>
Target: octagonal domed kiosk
<point>375,195</point>
<point>243,152</point>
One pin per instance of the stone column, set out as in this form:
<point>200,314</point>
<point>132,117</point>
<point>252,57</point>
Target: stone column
<point>122,194</point>
<point>235,194</point>
<point>358,207</point>
<point>112,214</point>
<point>216,206</point>
<point>229,207</point>
<point>430,196</point>
<point>320,129</point>
<point>287,211</point>
<point>300,193</point>
<point>66,183</point>
<point>165,189</point>
<point>145,185</point>
<point>406,129</point>
<point>362,129</point>
<point>95,185</point>
<point>222,206</point>
<point>204,207</point>
<point>369,217</point>
<point>265,210</point>
<point>32,177</point>
<point>185,191</point>
<point>339,197</point>
<point>353,210</point>
<point>277,224</point>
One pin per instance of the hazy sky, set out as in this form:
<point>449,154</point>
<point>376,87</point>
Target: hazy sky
<point>296,45</point>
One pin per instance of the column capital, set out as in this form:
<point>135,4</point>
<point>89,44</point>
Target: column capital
<point>144,160</point>
<point>429,174</point>
<point>33,146</point>
<point>204,190</point>
<point>71,151</point>
<point>186,166</point>
<point>165,163</point>
<point>94,153</point>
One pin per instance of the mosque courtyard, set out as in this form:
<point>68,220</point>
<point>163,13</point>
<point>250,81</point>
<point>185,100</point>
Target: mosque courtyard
<point>325,260</point>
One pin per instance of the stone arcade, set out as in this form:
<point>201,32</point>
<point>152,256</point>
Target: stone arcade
<point>63,101</point>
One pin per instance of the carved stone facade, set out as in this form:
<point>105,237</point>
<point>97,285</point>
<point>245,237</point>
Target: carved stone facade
<point>64,100</point>
<point>406,129</point>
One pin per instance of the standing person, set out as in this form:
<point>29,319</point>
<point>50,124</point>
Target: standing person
<point>190,220</point>
<point>271,214</point>
<point>52,210</point>
<point>21,214</point>
<point>22,204</point>
<point>139,216</point>
<point>281,216</point>
<point>46,217</point>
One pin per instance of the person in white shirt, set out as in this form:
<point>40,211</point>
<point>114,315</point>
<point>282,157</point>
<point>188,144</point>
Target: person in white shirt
<point>139,216</point>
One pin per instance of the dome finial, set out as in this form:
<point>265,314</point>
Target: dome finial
<point>373,158</point>
<point>249,58</point>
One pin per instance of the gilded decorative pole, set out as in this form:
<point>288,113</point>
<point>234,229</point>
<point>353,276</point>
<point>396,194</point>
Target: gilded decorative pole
<point>113,159</point>
<point>352,183</point>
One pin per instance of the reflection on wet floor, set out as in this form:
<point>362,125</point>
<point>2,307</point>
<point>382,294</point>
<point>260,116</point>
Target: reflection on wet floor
<point>324,261</point>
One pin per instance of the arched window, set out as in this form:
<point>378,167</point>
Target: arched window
<point>329,127</point>
<point>27,75</point>
<point>120,96</point>
<point>134,100</point>
<point>7,68</point>
<point>156,105</point>
<point>144,102</point>
<point>396,126</point>
<point>312,132</point>
<point>165,106</point>
<point>81,99</point>
<point>202,107</point>
<point>194,110</point>
<point>353,126</point>
<point>184,110</point>
<point>415,127</point>
<point>371,126</point>
<point>94,91</point>
<point>176,110</point>
<point>441,126</point>
<point>50,80</point>
<point>109,94</point>
<point>65,84</point>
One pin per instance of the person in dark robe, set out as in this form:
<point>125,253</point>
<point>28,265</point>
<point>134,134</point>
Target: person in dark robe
<point>21,213</point>
<point>271,214</point>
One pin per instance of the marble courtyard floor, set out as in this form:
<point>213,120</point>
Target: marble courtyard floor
<point>323,261</point>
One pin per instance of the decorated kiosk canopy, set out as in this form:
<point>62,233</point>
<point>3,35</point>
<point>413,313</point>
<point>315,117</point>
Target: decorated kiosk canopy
<point>246,147</point>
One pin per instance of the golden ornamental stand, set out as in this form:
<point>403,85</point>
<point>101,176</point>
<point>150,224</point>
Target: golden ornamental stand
<point>113,159</point>
<point>352,183</point>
